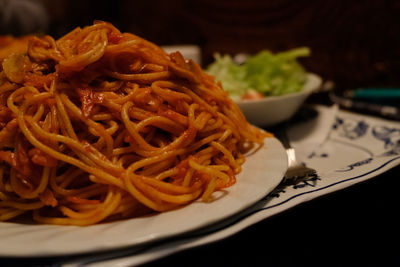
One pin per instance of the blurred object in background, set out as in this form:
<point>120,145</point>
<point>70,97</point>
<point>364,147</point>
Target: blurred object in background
<point>11,45</point>
<point>192,52</point>
<point>22,17</point>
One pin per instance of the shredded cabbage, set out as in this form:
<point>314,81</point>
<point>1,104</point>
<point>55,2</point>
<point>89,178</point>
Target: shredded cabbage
<point>267,73</point>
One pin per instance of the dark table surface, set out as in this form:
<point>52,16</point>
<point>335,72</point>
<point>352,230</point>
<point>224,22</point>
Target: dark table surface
<point>356,226</point>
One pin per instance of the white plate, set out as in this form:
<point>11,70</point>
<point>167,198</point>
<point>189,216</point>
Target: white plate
<point>345,148</point>
<point>261,173</point>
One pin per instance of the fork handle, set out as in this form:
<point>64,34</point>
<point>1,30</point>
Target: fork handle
<point>291,154</point>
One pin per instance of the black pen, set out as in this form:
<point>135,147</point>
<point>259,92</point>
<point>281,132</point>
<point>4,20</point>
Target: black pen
<point>371,107</point>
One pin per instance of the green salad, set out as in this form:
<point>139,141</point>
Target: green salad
<point>264,74</point>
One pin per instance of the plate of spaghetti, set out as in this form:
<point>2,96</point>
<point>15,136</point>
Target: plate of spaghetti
<point>108,141</point>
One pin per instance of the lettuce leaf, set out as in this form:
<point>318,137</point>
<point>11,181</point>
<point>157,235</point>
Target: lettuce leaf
<point>267,73</point>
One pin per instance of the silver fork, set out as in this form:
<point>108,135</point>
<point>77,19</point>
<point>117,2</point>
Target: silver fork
<point>296,171</point>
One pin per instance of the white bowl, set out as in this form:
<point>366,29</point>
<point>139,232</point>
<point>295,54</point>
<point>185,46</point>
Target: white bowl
<point>272,110</point>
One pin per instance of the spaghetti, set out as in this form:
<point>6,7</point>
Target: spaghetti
<point>103,125</point>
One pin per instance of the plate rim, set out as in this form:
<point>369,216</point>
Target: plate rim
<point>48,249</point>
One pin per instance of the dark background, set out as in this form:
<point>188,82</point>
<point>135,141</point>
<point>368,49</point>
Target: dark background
<point>354,43</point>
